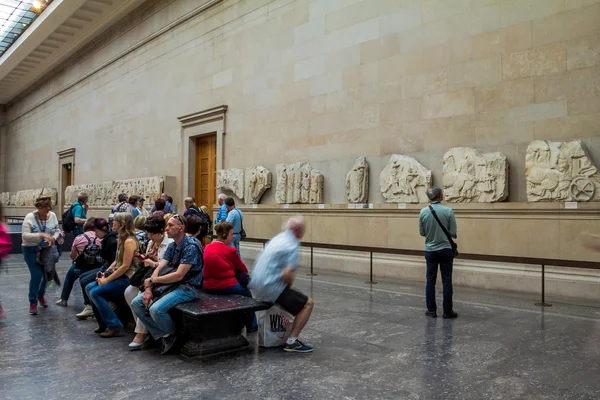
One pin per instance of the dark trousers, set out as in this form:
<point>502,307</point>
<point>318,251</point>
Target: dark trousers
<point>85,279</point>
<point>444,258</point>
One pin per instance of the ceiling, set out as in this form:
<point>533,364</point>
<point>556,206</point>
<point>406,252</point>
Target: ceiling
<point>61,29</point>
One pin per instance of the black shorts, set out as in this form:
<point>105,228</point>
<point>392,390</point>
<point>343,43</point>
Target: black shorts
<point>292,301</point>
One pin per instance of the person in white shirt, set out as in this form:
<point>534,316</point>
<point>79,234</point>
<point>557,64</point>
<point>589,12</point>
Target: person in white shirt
<point>159,241</point>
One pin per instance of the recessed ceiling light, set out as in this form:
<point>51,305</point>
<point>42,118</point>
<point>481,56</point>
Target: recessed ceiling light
<point>36,4</point>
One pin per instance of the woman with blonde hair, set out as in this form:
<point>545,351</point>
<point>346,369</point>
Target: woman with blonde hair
<point>113,282</point>
<point>40,231</point>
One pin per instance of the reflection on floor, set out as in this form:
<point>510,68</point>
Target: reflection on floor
<point>370,343</point>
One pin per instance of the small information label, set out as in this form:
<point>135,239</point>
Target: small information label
<point>360,206</point>
<point>351,206</point>
<point>254,205</point>
<point>370,205</point>
<point>571,204</point>
<point>320,205</point>
<point>402,205</point>
<point>286,206</point>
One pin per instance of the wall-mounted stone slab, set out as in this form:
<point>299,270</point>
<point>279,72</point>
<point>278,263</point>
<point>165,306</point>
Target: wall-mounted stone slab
<point>560,171</point>
<point>404,180</point>
<point>26,198</point>
<point>256,182</point>
<point>105,194</point>
<point>470,176</point>
<point>357,182</point>
<point>231,180</point>
<point>299,183</point>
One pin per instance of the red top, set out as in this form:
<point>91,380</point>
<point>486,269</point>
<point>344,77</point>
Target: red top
<point>220,263</point>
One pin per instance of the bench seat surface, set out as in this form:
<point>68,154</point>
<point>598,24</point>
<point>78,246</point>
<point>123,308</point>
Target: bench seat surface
<point>214,304</point>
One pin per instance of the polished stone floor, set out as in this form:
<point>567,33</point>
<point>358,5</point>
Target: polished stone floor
<point>370,343</point>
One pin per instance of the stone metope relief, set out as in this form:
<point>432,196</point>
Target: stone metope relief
<point>299,183</point>
<point>26,198</point>
<point>560,171</point>
<point>231,180</point>
<point>105,194</point>
<point>357,182</point>
<point>404,180</point>
<point>471,176</point>
<point>256,182</point>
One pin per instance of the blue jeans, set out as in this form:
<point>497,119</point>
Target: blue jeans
<point>157,319</point>
<point>37,283</point>
<point>72,275</point>
<point>100,295</point>
<point>236,242</point>
<point>444,258</point>
<point>237,289</point>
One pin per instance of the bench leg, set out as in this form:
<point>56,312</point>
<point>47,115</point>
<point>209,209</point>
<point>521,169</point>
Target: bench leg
<point>208,336</point>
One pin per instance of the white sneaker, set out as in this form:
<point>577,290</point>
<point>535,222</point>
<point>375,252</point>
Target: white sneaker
<point>86,313</point>
<point>61,302</point>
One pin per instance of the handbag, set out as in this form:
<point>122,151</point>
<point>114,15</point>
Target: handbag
<point>160,289</point>
<point>140,275</point>
<point>452,243</point>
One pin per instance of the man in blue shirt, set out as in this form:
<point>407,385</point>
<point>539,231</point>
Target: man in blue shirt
<point>79,213</point>
<point>185,255</point>
<point>236,218</point>
<point>169,208</point>
<point>273,276</point>
<point>222,215</point>
<point>438,250</point>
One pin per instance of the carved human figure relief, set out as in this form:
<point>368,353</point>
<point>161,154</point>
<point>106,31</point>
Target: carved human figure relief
<point>298,183</point>
<point>470,176</point>
<point>560,171</point>
<point>404,180</point>
<point>231,180</point>
<point>257,181</point>
<point>105,194</point>
<point>357,182</point>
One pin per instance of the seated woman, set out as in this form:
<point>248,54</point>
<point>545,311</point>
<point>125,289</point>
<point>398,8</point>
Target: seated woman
<point>221,263</point>
<point>113,282</point>
<point>159,206</point>
<point>157,246</point>
<point>108,254</point>
<point>80,264</point>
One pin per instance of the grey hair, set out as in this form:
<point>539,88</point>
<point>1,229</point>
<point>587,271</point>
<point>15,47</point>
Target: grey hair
<point>223,196</point>
<point>433,193</point>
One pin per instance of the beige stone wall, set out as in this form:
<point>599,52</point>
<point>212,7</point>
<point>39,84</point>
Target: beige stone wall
<point>322,81</point>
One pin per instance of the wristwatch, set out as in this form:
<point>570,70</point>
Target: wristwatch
<point>151,282</point>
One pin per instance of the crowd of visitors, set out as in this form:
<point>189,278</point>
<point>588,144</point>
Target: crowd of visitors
<point>154,260</point>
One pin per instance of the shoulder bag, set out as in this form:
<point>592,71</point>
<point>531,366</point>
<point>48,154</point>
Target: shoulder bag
<point>452,243</point>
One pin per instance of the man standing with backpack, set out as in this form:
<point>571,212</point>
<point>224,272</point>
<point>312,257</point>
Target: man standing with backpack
<point>79,214</point>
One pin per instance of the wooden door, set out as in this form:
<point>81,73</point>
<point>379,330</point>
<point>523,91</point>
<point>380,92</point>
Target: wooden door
<point>206,170</point>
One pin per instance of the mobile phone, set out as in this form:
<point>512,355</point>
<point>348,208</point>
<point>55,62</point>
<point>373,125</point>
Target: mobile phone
<point>99,275</point>
<point>140,256</point>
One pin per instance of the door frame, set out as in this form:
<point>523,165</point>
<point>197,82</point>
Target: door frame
<point>202,123</point>
<point>65,157</point>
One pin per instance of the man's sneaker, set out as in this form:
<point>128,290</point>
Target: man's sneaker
<point>32,309</point>
<point>298,347</point>
<point>42,302</point>
<point>431,314</point>
<point>167,343</point>
<point>86,313</point>
<point>450,315</point>
<point>62,303</point>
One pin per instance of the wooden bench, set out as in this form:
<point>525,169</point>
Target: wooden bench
<point>213,324</point>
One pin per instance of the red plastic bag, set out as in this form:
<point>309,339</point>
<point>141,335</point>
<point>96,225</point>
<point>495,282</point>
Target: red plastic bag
<point>5,243</point>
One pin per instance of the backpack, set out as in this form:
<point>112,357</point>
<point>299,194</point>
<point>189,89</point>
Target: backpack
<point>91,256</point>
<point>5,243</point>
<point>68,220</point>
<point>205,228</point>
<point>109,247</point>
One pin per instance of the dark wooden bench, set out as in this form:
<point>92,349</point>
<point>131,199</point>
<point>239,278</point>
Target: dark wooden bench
<point>213,324</point>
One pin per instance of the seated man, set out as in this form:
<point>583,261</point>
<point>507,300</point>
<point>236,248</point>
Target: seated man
<point>273,276</point>
<point>185,255</point>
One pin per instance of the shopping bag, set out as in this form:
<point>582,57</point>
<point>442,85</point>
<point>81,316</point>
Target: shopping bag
<point>5,242</point>
<point>274,327</point>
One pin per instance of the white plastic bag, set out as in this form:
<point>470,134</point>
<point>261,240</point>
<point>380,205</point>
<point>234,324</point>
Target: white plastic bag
<point>274,327</point>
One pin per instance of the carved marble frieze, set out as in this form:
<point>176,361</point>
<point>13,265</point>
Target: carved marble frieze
<point>105,194</point>
<point>299,183</point>
<point>560,171</point>
<point>470,176</point>
<point>404,180</point>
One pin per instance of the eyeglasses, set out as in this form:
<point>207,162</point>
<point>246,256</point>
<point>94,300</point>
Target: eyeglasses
<point>178,218</point>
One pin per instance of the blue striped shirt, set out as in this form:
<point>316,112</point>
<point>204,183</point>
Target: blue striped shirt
<point>280,252</point>
<point>222,215</point>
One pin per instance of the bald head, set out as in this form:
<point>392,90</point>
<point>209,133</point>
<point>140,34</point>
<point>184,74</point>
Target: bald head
<point>188,202</point>
<point>296,226</point>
